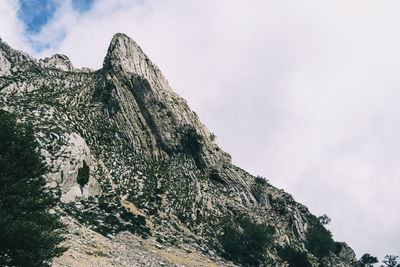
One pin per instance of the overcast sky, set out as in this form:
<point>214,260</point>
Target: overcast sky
<point>304,93</point>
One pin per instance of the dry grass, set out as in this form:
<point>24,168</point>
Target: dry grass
<point>132,208</point>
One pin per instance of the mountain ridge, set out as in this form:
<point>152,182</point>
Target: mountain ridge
<point>155,169</point>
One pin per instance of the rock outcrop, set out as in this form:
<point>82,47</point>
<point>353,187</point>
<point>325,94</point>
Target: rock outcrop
<point>155,169</point>
<point>57,61</point>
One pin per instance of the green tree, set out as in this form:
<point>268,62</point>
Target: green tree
<point>261,180</point>
<point>83,175</point>
<point>294,257</point>
<point>29,234</point>
<point>390,261</point>
<point>245,241</point>
<point>319,240</point>
<point>193,141</point>
<point>324,219</point>
<point>367,260</point>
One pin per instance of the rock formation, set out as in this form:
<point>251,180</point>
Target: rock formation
<point>159,186</point>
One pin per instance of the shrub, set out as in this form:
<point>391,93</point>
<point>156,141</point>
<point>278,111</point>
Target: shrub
<point>215,176</point>
<point>193,141</point>
<point>324,219</point>
<point>367,260</point>
<point>319,240</point>
<point>97,253</point>
<point>391,261</point>
<point>29,234</point>
<point>293,257</point>
<point>245,241</point>
<point>213,137</point>
<point>112,220</point>
<point>83,175</point>
<point>261,180</point>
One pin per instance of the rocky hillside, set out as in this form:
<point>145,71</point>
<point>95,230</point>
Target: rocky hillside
<point>141,181</point>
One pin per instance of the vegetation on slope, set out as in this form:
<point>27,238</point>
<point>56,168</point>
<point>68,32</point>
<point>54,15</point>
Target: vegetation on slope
<point>29,234</point>
<point>83,175</point>
<point>319,239</point>
<point>245,241</point>
<point>294,257</point>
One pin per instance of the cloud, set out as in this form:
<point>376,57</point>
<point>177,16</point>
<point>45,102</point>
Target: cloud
<point>11,28</point>
<point>53,33</point>
<point>82,5</point>
<point>302,93</point>
<point>36,13</point>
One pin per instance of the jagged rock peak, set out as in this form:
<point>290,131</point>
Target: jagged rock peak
<point>125,59</point>
<point>12,60</point>
<point>154,169</point>
<point>58,61</point>
<point>124,54</point>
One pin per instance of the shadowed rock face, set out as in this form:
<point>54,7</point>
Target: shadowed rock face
<point>155,169</point>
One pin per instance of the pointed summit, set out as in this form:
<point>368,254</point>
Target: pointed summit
<point>126,59</point>
<point>153,170</point>
<point>124,54</point>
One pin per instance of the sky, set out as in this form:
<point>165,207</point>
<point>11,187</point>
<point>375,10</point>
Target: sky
<point>304,93</point>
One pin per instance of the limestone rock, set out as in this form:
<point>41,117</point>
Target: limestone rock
<point>155,169</point>
<point>5,65</point>
<point>67,163</point>
<point>58,61</point>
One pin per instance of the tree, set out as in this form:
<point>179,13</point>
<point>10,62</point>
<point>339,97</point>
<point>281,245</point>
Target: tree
<point>367,260</point>
<point>294,257</point>
<point>319,240</point>
<point>324,219</point>
<point>245,241</point>
<point>261,180</point>
<point>29,234</point>
<point>83,175</point>
<point>193,141</point>
<point>390,261</point>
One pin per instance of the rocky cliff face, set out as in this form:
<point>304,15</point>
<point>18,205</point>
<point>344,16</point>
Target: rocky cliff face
<point>159,185</point>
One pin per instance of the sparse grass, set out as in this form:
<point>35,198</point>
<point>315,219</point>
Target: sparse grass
<point>97,253</point>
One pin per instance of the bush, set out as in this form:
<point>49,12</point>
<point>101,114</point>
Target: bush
<point>324,219</point>
<point>193,141</point>
<point>294,257</point>
<point>29,234</point>
<point>367,260</point>
<point>261,180</point>
<point>213,137</point>
<point>391,261</point>
<point>319,240</point>
<point>215,176</point>
<point>245,241</point>
<point>83,175</point>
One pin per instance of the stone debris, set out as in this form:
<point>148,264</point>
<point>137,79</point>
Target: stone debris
<point>125,249</point>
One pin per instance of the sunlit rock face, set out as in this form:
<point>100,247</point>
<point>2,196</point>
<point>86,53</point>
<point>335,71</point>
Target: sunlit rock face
<point>57,61</point>
<point>155,171</point>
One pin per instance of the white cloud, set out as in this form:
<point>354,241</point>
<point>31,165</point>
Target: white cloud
<point>11,28</point>
<point>304,93</point>
<point>54,32</point>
